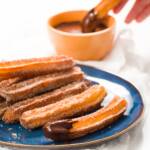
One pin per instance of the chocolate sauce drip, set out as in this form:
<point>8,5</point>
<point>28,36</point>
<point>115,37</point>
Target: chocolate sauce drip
<point>61,126</point>
<point>58,130</point>
<point>91,23</point>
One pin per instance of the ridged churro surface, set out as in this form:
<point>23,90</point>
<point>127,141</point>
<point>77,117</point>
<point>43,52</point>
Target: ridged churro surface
<point>3,107</point>
<point>14,112</point>
<point>74,128</point>
<point>34,66</point>
<point>63,109</point>
<point>40,84</point>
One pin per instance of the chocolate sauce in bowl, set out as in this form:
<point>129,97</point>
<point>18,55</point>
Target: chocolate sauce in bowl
<point>76,27</point>
<point>72,27</point>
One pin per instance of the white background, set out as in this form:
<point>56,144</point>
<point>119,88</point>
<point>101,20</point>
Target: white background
<point>23,33</point>
<point>23,25</point>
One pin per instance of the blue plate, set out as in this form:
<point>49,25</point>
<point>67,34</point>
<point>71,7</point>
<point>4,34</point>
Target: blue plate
<point>15,135</point>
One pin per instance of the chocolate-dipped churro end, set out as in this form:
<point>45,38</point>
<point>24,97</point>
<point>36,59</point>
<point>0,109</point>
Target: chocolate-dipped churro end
<point>66,130</point>
<point>89,22</point>
<point>58,130</point>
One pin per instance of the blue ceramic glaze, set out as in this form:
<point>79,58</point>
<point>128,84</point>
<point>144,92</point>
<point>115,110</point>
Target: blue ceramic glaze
<point>14,133</point>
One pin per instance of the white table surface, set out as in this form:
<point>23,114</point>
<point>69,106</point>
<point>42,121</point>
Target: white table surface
<point>23,33</point>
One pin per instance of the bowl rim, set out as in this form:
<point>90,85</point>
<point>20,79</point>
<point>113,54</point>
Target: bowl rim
<point>50,27</point>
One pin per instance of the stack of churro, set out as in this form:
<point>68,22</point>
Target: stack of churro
<point>43,91</point>
<point>31,83</point>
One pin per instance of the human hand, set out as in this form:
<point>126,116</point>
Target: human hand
<point>139,11</point>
